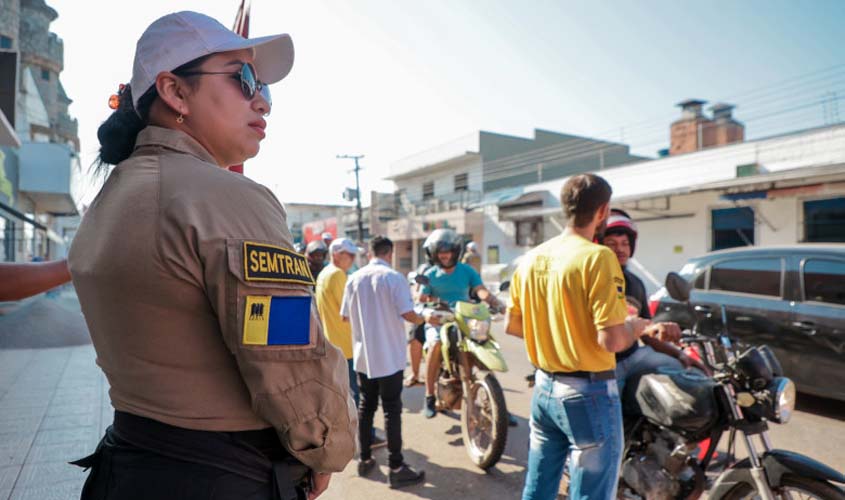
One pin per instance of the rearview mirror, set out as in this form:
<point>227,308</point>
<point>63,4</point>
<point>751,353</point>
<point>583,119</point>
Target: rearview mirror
<point>677,287</point>
<point>421,279</point>
<point>504,286</point>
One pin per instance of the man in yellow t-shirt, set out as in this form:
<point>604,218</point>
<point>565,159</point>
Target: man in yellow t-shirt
<point>568,303</point>
<point>330,285</point>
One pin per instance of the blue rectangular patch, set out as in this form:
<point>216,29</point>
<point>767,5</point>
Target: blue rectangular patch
<point>290,321</point>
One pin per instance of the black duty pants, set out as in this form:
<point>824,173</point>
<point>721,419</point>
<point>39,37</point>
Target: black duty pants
<point>389,388</point>
<point>142,459</point>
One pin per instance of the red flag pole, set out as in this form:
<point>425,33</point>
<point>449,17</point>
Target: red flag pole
<point>241,27</point>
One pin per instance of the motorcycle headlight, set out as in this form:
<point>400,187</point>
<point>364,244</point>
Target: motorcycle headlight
<point>479,330</point>
<point>782,394</point>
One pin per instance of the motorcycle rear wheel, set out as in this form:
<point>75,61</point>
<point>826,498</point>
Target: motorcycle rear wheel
<point>795,487</point>
<point>484,421</point>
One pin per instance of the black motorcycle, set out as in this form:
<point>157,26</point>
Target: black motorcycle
<point>668,414</point>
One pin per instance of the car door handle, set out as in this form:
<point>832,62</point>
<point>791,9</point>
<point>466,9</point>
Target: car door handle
<point>702,309</point>
<point>805,326</point>
<point>744,319</point>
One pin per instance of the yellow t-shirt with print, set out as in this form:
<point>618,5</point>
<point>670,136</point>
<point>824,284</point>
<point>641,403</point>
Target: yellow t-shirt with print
<point>565,290</point>
<point>330,285</point>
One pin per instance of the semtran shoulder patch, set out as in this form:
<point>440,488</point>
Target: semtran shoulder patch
<point>264,262</point>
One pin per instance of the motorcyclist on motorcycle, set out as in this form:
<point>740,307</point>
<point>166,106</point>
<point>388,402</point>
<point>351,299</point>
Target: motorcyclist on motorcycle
<point>659,351</point>
<point>450,281</point>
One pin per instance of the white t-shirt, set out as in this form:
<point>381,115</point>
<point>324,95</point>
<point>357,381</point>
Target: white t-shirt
<point>374,300</point>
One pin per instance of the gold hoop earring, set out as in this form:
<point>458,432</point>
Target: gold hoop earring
<point>180,118</point>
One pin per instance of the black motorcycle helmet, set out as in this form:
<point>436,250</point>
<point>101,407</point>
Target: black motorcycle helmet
<point>443,240</point>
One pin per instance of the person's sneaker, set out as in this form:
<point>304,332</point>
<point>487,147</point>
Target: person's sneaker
<point>405,476</point>
<point>512,422</point>
<point>366,466</point>
<point>377,442</point>
<point>430,411</point>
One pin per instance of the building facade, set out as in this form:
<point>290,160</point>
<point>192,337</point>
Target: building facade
<point>779,190</point>
<point>39,171</point>
<point>475,185</point>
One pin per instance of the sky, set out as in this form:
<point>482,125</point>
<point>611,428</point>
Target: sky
<point>391,78</point>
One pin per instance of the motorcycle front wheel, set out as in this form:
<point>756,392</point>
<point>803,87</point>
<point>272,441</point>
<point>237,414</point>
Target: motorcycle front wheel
<point>792,487</point>
<point>484,421</point>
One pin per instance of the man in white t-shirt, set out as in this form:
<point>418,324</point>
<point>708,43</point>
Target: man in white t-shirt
<point>375,301</point>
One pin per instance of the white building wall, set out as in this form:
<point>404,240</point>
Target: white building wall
<point>777,221</point>
<point>444,180</point>
<point>666,244</point>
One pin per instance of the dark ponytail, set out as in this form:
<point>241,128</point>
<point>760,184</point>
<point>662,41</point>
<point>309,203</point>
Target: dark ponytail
<point>118,133</point>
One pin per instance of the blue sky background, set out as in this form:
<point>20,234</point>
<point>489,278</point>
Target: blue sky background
<point>391,78</point>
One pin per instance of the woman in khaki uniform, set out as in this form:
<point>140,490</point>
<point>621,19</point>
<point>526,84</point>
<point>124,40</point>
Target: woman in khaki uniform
<point>200,311</point>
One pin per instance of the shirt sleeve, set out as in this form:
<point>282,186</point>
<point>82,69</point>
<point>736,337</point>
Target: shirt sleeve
<point>260,292</point>
<point>347,295</point>
<point>606,290</point>
<point>401,294</point>
<point>474,278</point>
<point>426,289</point>
<point>514,309</point>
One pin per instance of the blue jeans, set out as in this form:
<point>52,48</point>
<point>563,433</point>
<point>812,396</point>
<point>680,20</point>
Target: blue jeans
<point>580,419</point>
<point>643,361</point>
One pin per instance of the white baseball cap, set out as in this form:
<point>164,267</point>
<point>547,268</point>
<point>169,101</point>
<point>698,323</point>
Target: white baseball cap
<point>181,37</point>
<point>344,245</point>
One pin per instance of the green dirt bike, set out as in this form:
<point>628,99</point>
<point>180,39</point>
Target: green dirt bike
<point>466,381</point>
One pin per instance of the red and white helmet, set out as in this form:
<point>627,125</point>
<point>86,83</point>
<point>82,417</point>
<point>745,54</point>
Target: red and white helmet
<point>620,222</point>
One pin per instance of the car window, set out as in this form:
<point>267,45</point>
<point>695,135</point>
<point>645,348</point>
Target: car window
<point>699,281</point>
<point>824,281</point>
<point>757,276</point>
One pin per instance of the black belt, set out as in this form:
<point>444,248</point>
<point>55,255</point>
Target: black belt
<point>257,455</point>
<point>592,376</point>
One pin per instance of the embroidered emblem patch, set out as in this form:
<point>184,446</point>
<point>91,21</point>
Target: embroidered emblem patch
<point>264,262</point>
<point>277,320</point>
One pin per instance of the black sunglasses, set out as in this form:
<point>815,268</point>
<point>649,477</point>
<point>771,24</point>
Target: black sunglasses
<point>249,82</point>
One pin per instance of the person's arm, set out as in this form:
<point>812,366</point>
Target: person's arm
<point>617,338</point>
<point>606,297</point>
<point>24,279</point>
<point>477,287</point>
<point>513,316</point>
<point>674,351</point>
<point>344,303</point>
<point>295,379</point>
<point>402,300</point>
<point>513,324</point>
<point>413,317</point>
<point>665,331</point>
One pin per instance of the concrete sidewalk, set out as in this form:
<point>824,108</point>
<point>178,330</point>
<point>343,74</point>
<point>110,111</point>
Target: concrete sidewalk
<point>54,407</point>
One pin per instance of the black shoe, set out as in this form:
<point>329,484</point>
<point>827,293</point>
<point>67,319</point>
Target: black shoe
<point>366,466</point>
<point>405,476</point>
<point>430,410</point>
<point>512,422</point>
<point>377,442</point>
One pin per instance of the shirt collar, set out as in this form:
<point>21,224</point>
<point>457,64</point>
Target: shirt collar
<point>378,261</point>
<point>174,140</point>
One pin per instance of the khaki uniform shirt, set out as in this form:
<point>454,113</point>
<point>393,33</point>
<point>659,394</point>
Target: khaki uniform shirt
<point>201,313</point>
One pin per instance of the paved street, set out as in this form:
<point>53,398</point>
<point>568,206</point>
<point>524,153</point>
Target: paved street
<point>54,405</point>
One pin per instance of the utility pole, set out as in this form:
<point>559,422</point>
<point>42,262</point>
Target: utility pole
<point>357,194</point>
